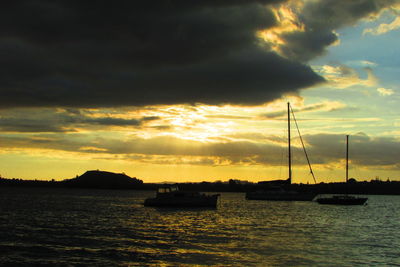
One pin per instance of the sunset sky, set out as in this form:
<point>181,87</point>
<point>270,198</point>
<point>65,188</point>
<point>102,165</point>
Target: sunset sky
<point>176,90</point>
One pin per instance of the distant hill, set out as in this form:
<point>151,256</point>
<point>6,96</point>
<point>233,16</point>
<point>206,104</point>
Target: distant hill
<point>104,180</point>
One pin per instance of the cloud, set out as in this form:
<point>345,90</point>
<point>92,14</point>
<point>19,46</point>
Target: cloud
<point>384,27</point>
<point>341,76</point>
<point>385,92</point>
<point>81,54</point>
<point>323,149</point>
<point>37,120</point>
<point>364,150</point>
<point>361,63</point>
<point>324,106</point>
<point>313,24</point>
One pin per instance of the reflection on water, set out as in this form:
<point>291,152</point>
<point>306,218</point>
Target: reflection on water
<point>100,227</point>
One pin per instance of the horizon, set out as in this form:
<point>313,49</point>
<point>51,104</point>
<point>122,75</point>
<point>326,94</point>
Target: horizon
<point>198,91</point>
<point>188,181</point>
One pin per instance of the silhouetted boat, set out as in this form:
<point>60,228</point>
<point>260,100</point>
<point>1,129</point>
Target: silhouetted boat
<point>343,199</point>
<point>173,197</point>
<point>276,189</point>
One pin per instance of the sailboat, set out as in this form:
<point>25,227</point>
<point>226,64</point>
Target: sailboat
<point>275,190</point>
<point>343,199</point>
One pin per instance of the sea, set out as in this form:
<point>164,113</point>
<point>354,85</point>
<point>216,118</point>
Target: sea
<point>84,227</point>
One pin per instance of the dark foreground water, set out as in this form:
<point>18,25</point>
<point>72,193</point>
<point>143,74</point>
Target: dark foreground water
<point>108,228</point>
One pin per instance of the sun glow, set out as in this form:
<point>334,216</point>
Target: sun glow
<point>177,142</point>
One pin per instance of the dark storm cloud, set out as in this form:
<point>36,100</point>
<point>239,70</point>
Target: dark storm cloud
<point>115,53</point>
<point>321,18</point>
<point>27,125</point>
<point>49,120</point>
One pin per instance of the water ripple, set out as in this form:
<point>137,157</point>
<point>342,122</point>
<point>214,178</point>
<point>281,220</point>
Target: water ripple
<point>113,228</point>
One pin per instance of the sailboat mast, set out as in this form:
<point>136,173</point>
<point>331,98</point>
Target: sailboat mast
<point>347,158</point>
<point>289,147</point>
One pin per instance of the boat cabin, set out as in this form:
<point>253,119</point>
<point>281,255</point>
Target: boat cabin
<point>167,189</point>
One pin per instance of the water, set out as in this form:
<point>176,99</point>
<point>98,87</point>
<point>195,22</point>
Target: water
<point>112,228</point>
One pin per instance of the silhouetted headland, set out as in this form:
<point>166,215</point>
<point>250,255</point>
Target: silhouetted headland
<point>109,180</point>
<point>104,180</point>
<point>90,179</point>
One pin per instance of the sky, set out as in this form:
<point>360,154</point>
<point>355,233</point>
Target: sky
<point>191,91</point>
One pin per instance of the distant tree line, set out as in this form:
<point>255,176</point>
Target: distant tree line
<point>109,180</point>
